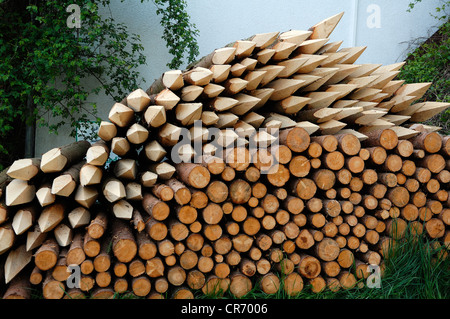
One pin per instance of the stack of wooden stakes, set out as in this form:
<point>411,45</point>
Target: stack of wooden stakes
<point>346,169</point>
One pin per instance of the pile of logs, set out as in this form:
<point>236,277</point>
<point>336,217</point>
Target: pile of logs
<point>340,169</point>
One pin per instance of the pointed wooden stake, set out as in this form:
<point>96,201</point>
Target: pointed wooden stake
<point>226,119</point>
<point>401,102</point>
<point>79,217</point>
<point>389,68</point>
<point>187,113</point>
<point>50,217</point>
<point>331,47</point>
<point>148,179</point>
<point>253,79</point>
<point>343,89</point>
<point>164,170</point>
<point>198,76</point>
<point>333,58</point>
<point>361,137</point>
<point>364,94</point>
<point>123,210</point>
<point>272,71</point>
<point>365,69</point>
<point>212,90</point>
<point>392,86</point>
<point>121,115</point>
<point>191,92</point>
<point>154,151</point>
<point>254,119</point>
<point>318,116</point>
<point>272,124</point>
<point>383,79</point>
<point>173,80</point>
<point>65,184</point>
<point>220,72</point>
<point>244,129</point>
<point>44,195</point>
<point>324,28</point>
<point>113,189</point>
<point>134,191</point>
<point>169,134</point>
<point>363,81</point>
<point>209,118</point>
<point>285,121</point>
<point>404,133</point>
<point>125,168</point>
<point>309,127</point>
<point>86,196</point>
<point>263,95</point>
<point>98,153</point>
<point>23,219</point>
<point>16,261</point>
<point>60,158</point>
<point>410,110</point>
<point>331,127</point>
<point>312,62</point>
<point>107,131</point>
<point>378,124</point>
<point>226,137</point>
<point>428,110</point>
<point>237,69</point>
<point>249,63</point>
<point>353,54</point>
<point>235,85</point>
<point>265,55</point>
<point>295,36</point>
<point>367,117</point>
<point>291,104</point>
<point>120,146</point>
<point>7,237</point>
<point>308,78</point>
<point>138,100</point>
<point>167,98</point>
<point>244,48</point>
<point>263,139</point>
<point>344,103</point>
<point>198,134</point>
<point>245,103</point>
<point>346,112</point>
<point>291,66</point>
<point>283,50</point>
<point>155,115</point>
<point>137,134</point>
<point>19,192</point>
<point>35,238</point>
<point>63,235</point>
<point>396,119</point>
<point>223,55</point>
<point>311,46</point>
<point>24,169</point>
<point>263,40</point>
<point>321,100</point>
<point>414,89</point>
<point>345,70</point>
<point>223,103</point>
<point>284,88</point>
<point>324,75</point>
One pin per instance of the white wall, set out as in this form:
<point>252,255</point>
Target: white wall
<point>384,26</point>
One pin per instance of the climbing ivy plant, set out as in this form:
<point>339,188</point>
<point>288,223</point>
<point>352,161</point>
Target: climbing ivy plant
<point>179,32</point>
<point>429,61</point>
<point>49,72</point>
